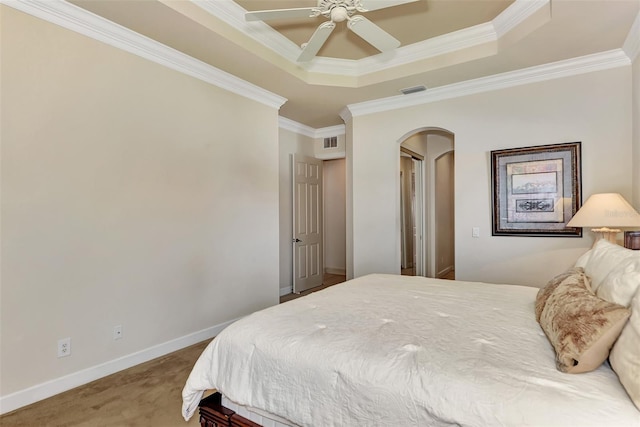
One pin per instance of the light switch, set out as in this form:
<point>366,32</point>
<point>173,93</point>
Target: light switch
<point>475,232</point>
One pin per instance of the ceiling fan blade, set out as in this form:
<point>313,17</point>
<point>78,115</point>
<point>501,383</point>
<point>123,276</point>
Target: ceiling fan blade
<point>381,4</point>
<point>372,34</point>
<point>317,40</point>
<point>265,15</point>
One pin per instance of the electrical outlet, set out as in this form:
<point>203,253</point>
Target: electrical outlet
<point>475,232</point>
<point>64,347</point>
<point>117,332</point>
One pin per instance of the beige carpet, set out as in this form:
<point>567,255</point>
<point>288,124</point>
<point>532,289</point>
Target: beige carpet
<point>145,395</point>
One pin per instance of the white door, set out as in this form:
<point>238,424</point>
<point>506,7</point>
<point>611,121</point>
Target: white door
<point>307,223</point>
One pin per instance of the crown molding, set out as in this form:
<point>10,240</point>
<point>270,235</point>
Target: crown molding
<point>515,14</point>
<point>295,127</point>
<point>436,46</point>
<point>345,114</point>
<point>632,44</point>
<point>233,14</point>
<point>299,128</point>
<point>330,131</point>
<point>76,19</point>
<point>571,67</point>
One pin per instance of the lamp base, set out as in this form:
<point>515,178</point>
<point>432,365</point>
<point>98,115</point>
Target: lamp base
<point>607,233</point>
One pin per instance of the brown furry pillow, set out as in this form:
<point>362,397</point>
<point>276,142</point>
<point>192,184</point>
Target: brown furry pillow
<point>547,290</point>
<point>580,326</point>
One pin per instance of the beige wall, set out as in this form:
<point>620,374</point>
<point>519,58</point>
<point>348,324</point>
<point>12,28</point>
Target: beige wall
<point>636,132</point>
<point>333,175</point>
<point>594,108</point>
<point>445,214</point>
<point>131,195</point>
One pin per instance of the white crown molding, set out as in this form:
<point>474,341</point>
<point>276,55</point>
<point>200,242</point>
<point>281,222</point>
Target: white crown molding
<point>441,45</point>
<point>299,128</point>
<point>632,44</point>
<point>515,14</point>
<point>295,127</point>
<point>47,389</point>
<point>447,43</point>
<point>233,14</point>
<point>76,19</point>
<point>330,131</point>
<point>571,67</point>
<point>345,114</point>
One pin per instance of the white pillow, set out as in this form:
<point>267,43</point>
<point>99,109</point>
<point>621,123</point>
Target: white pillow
<point>622,283</point>
<point>602,259</point>
<point>625,354</point>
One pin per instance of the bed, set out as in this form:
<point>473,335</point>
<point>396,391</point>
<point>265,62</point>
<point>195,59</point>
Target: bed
<point>394,350</point>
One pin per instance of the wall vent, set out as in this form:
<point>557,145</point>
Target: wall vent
<point>414,89</point>
<point>331,142</point>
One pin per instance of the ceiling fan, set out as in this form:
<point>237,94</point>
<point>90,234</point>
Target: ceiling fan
<point>337,11</point>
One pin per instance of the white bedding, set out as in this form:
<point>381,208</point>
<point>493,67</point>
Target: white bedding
<point>392,350</point>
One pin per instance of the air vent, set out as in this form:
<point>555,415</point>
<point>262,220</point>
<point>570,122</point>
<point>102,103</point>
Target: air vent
<point>331,142</point>
<point>414,89</point>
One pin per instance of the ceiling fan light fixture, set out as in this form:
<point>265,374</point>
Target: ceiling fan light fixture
<point>339,14</point>
<point>337,11</point>
<point>413,89</point>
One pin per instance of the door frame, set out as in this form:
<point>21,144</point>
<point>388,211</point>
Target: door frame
<point>418,210</point>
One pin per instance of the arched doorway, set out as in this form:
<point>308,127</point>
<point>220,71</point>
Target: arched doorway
<point>436,243</point>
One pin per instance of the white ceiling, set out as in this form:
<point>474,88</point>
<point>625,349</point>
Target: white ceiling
<point>443,42</point>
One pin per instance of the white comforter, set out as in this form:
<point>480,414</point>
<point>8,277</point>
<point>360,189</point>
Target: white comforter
<point>386,350</point>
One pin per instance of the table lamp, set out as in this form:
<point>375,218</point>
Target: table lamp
<point>605,212</point>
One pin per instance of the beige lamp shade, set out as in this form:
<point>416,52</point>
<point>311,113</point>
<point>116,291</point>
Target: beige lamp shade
<point>605,211</point>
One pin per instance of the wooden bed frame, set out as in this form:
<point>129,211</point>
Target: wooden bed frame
<point>213,414</point>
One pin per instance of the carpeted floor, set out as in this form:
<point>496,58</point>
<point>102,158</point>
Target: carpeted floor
<point>145,395</point>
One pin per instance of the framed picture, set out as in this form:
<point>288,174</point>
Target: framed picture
<point>536,190</point>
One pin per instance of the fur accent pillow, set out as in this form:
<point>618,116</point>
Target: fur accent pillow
<point>580,326</point>
<point>547,290</point>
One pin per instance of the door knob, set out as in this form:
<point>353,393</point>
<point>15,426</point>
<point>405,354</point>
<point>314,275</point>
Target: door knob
<point>296,240</point>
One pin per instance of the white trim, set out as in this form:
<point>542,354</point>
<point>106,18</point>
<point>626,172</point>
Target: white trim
<point>330,131</point>
<point>50,388</point>
<point>631,45</point>
<point>515,14</point>
<point>296,127</point>
<point>286,291</point>
<point>76,19</point>
<point>331,156</point>
<point>233,14</point>
<point>345,114</point>
<point>571,67</point>
<point>299,128</point>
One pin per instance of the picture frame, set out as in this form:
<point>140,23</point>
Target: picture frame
<point>536,190</point>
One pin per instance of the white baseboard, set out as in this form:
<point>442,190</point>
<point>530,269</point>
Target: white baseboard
<point>286,290</point>
<point>340,271</point>
<point>50,388</point>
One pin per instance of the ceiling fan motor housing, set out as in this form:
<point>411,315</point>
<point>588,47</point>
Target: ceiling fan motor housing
<point>339,10</point>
